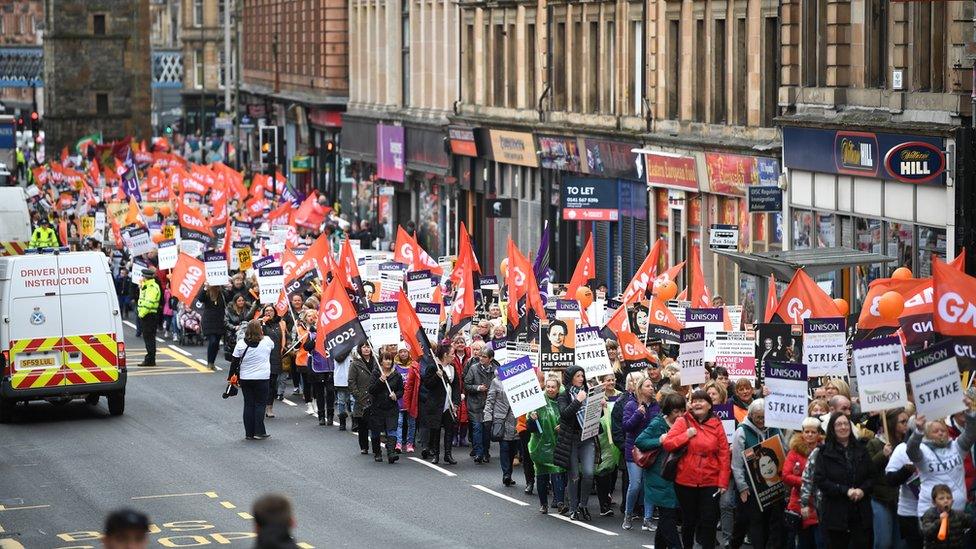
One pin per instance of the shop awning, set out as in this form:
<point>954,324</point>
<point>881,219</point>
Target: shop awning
<point>818,261</point>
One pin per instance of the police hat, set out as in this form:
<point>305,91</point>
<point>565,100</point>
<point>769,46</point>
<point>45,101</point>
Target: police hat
<point>148,271</point>
<point>126,520</point>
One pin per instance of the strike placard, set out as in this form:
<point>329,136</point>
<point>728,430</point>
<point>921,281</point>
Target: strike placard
<point>271,281</point>
<point>713,320</point>
<point>880,374</point>
<point>521,386</point>
<point>167,254</point>
<point>726,414</point>
<point>736,352</point>
<point>934,374</point>
<point>825,347</point>
<point>692,356</point>
<point>100,221</point>
<point>169,232</point>
<point>391,280</point>
<point>385,329</point>
<point>420,287</point>
<point>786,403</point>
<point>216,264</point>
<point>593,411</point>
<point>591,353</point>
<point>139,242</point>
<point>87,226</point>
<point>429,315</point>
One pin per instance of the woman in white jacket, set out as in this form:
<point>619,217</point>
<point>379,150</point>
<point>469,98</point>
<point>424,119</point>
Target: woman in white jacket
<point>940,460</point>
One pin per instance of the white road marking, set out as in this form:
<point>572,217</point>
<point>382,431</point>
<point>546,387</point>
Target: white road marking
<point>160,340</point>
<point>582,524</point>
<point>204,362</point>
<point>181,351</point>
<point>288,402</point>
<point>498,495</point>
<point>432,466</point>
<point>129,324</point>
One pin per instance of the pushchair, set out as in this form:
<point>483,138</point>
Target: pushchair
<point>188,323</point>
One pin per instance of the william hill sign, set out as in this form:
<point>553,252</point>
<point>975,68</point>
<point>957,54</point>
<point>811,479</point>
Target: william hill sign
<point>915,162</point>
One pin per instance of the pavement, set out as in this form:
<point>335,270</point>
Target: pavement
<point>179,455</point>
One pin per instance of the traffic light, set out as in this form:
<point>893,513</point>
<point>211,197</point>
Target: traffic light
<point>35,121</point>
<point>271,154</point>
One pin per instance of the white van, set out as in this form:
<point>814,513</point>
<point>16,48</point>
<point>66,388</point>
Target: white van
<point>15,221</point>
<point>61,330</point>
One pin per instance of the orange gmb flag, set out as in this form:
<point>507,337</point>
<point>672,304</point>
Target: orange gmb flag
<point>698,292</point>
<point>411,329</point>
<point>635,354</point>
<point>661,322</point>
<point>870,317</point>
<point>585,269</point>
<point>771,300</point>
<point>954,299</point>
<point>338,328</point>
<point>804,299</point>
<point>521,283</point>
<point>187,279</point>
<point>462,308</point>
<point>644,277</point>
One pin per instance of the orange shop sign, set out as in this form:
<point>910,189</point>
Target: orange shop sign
<point>672,171</point>
<point>513,148</point>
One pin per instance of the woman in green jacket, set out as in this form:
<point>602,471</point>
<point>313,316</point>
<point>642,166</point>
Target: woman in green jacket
<point>657,489</point>
<point>542,425</point>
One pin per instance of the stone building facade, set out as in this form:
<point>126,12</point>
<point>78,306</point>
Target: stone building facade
<point>206,71</point>
<point>20,22</point>
<point>96,70</point>
<point>296,76</point>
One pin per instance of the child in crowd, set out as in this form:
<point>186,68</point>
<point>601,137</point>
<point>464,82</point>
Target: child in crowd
<point>958,522</point>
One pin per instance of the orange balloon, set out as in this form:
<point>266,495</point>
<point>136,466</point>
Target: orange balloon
<point>902,273</point>
<point>149,211</point>
<point>842,306</point>
<point>585,296</point>
<point>667,290</point>
<point>504,267</point>
<point>165,210</point>
<point>891,305</point>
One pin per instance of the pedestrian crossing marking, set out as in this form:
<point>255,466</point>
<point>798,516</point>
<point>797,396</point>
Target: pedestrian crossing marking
<point>228,505</point>
<point>245,516</point>
<point>172,363</point>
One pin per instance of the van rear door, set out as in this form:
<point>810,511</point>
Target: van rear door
<point>88,325</point>
<point>35,352</point>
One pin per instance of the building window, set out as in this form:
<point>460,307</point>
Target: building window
<point>876,51</point>
<point>20,24</point>
<point>221,6</point>
<point>701,76</point>
<point>673,81</point>
<point>739,91</point>
<point>98,24</point>
<point>511,67</point>
<point>530,67</point>
<point>469,62</point>
<point>197,13</point>
<point>637,73</point>
<point>33,24</point>
<point>719,66</point>
<point>593,67</point>
<point>3,24</point>
<point>558,69</point>
<point>928,47</point>
<point>771,72</point>
<point>198,69</point>
<point>101,104</point>
<point>405,56</point>
<point>223,70</point>
<point>813,44</point>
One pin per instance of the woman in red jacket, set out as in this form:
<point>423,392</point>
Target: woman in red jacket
<point>461,356</point>
<point>802,443</point>
<point>411,396</point>
<point>703,469</point>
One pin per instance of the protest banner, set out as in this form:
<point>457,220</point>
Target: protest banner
<point>736,352</point>
<point>100,222</point>
<point>168,232</point>
<point>764,462</point>
<point>734,314</point>
<point>521,386</point>
<point>271,282</point>
<point>593,411</point>
<point>677,308</point>
<point>558,344</point>
<point>880,374</point>
<point>391,280</point>
<point>568,309</point>
<point>825,347</point>
<point>936,384</point>
<point>87,226</point>
<point>713,320</point>
<point>500,347</point>
<point>517,349</point>
<point>591,353</point>
<point>420,287</point>
<point>430,319</point>
<point>216,264</point>
<point>726,414</point>
<point>384,330</point>
<point>691,356</point>
<point>167,254</point>
<point>777,342</point>
<point>138,241</point>
<point>786,403</point>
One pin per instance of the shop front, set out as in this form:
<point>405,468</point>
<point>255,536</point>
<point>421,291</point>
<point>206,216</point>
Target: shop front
<point>876,192</point>
<point>427,164</point>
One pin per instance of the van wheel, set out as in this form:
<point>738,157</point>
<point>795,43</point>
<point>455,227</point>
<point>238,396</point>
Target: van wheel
<point>91,400</point>
<point>6,410</point>
<point>116,403</point>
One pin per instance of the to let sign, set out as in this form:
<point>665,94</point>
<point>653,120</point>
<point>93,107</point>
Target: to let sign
<point>586,199</point>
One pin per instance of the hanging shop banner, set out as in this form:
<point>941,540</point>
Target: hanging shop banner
<point>385,329</point>
<point>558,344</point>
<point>786,403</point>
<point>586,199</point>
<point>671,171</point>
<point>934,375</point>
<point>825,347</point>
<point>880,374</point>
<point>692,356</point>
<point>216,267</point>
<point>560,153</point>
<point>764,462</point>
<point>513,148</point>
<point>899,157</point>
<point>591,353</point>
<point>521,386</point>
<point>593,411</point>
<point>765,198</point>
<point>390,153</point>
<point>271,282</point>
<point>735,351</point>
<point>462,141</point>
<point>610,159</point>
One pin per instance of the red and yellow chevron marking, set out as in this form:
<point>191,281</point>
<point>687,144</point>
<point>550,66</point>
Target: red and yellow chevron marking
<point>99,361</point>
<point>40,377</point>
<point>12,248</point>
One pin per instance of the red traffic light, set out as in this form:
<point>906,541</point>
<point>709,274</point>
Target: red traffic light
<point>330,146</point>
<point>34,116</point>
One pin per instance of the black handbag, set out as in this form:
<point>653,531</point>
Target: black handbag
<point>497,431</point>
<point>794,521</point>
<point>670,470</point>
